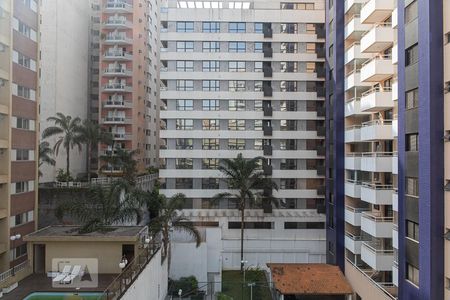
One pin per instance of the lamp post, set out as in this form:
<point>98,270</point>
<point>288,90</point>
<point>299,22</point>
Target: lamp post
<point>251,285</point>
<point>13,239</point>
<point>243,262</point>
<point>180,291</point>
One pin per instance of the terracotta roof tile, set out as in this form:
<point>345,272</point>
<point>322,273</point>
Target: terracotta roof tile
<point>309,279</point>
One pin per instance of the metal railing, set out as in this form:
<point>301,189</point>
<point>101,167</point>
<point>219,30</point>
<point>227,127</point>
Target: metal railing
<point>377,248</point>
<point>16,269</point>
<point>376,90</point>
<point>378,57</point>
<point>356,99</point>
<point>377,219</point>
<point>376,122</point>
<point>377,186</point>
<point>352,127</point>
<point>378,154</point>
<point>357,209</point>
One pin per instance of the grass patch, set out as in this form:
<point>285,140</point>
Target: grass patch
<point>232,285</point>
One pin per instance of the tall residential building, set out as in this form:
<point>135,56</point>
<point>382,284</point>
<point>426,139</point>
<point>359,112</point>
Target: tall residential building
<point>64,81</point>
<point>128,96</point>
<point>247,77</point>
<point>385,208</point>
<point>19,119</point>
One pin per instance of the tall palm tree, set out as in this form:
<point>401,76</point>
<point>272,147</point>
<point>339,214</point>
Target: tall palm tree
<point>121,159</point>
<point>67,130</point>
<point>247,181</point>
<point>45,155</point>
<point>104,206</point>
<point>91,134</point>
<point>169,219</point>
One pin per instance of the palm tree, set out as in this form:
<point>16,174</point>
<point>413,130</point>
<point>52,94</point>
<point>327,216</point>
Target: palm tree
<point>169,219</point>
<point>121,159</point>
<point>91,134</point>
<point>245,177</point>
<point>67,130</point>
<point>45,155</point>
<point>104,206</point>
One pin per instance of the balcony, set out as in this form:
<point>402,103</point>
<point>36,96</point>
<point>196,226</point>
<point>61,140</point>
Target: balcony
<point>116,120</point>
<point>353,214</point>
<point>116,87</point>
<point>118,7</point>
<point>353,134</point>
<point>395,201</point>
<point>117,55</point>
<point>117,39</point>
<point>353,243</point>
<point>268,130</point>
<point>353,188</point>
<point>376,130</point>
<point>121,136</point>
<point>352,5</point>
<point>118,104</point>
<point>354,29</point>
<point>353,79</point>
<point>120,23</point>
<point>376,162</point>
<point>395,90</point>
<point>380,227</point>
<point>267,150</point>
<point>354,52</point>
<point>395,236</point>
<point>378,194</point>
<point>378,39</point>
<point>353,161</point>
<point>353,107</point>
<point>377,69</point>
<point>119,72</point>
<point>376,256</point>
<point>377,99</point>
<point>395,163</point>
<point>395,273</point>
<point>375,11</point>
<point>268,111</point>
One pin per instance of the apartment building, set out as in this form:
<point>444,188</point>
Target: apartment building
<point>128,95</point>
<point>386,204</point>
<point>246,77</point>
<point>64,77</point>
<point>19,120</point>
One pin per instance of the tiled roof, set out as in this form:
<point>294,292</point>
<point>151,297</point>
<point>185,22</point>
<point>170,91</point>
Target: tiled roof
<point>309,279</point>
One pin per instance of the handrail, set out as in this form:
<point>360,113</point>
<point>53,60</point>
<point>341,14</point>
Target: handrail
<point>376,122</point>
<point>377,154</point>
<point>354,154</point>
<point>378,57</point>
<point>376,25</point>
<point>353,99</point>
<point>9,273</point>
<point>352,18</point>
<point>376,186</point>
<point>351,127</point>
<point>357,209</point>
<point>375,218</point>
<point>376,90</point>
<point>354,237</point>
<point>358,182</point>
<point>376,247</point>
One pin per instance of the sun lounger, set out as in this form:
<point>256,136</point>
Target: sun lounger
<point>76,271</point>
<point>63,274</point>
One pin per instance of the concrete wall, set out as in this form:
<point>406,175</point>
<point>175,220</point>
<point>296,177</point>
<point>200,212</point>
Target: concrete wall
<point>64,71</point>
<point>152,283</point>
<point>362,285</point>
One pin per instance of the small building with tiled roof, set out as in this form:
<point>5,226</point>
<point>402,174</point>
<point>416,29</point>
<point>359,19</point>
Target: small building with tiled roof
<point>308,282</point>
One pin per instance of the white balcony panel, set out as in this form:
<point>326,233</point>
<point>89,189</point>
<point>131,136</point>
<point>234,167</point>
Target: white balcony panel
<point>353,108</point>
<point>377,39</point>
<point>377,194</point>
<point>353,244</point>
<point>395,237</point>
<point>354,29</point>
<point>196,193</point>
<point>377,69</point>
<point>395,164</point>
<point>395,91</point>
<point>353,215</point>
<point>380,260</point>
<point>376,100</point>
<point>395,201</point>
<point>395,54</point>
<point>354,80</point>
<point>376,162</point>
<point>375,11</point>
<point>395,274</point>
<point>351,5</point>
<point>352,134</point>
<point>354,52</point>
<point>372,131</point>
<point>353,189</point>
<point>353,162</point>
<point>394,18</point>
<point>380,227</point>
<point>394,129</point>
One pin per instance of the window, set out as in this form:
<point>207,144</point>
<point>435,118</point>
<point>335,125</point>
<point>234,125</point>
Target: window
<point>412,274</point>
<point>211,27</point>
<point>211,66</point>
<point>258,105</point>
<point>411,55</point>
<point>297,6</point>
<point>289,66</point>
<point>236,124</point>
<point>288,164</point>
<point>289,48</point>
<point>185,66</point>
<point>210,105</point>
<point>258,144</point>
<point>184,124</point>
<point>24,29</point>
<point>185,26</point>
<point>288,125</point>
<point>210,124</point>
<point>236,27</point>
<point>183,183</point>
<point>411,12</point>
<point>236,144</point>
<point>238,47</point>
<point>185,105</point>
<point>183,163</point>
<point>17,252</point>
<point>258,47</point>
<point>211,85</point>
<point>310,47</point>
<point>31,4</point>
<point>210,144</point>
<point>258,66</point>
<point>310,67</point>
<point>412,99</point>
<point>258,86</point>
<point>290,28</point>
<point>304,225</point>
<point>185,85</point>
<point>22,154</point>
<point>311,28</point>
<point>210,183</point>
<point>412,230</point>
<point>288,184</point>
<point>21,218</point>
<point>210,163</point>
<point>288,86</point>
<point>236,105</point>
<point>22,187</point>
<point>24,61</point>
<point>288,145</point>
<point>23,123</point>
<point>211,47</point>
<point>236,66</point>
<point>184,144</point>
<point>412,142</point>
<point>258,125</point>
<point>185,46</point>
<point>412,186</point>
<point>251,225</point>
<point>288,105</point>
<point>24,92</point>
<point>258,28</point>
<point>236,85</point>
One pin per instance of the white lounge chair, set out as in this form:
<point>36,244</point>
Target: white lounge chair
<point>76,271</point>
<point>66,271</point>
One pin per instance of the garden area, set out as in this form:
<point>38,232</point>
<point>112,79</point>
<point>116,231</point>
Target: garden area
<point>234,289</point>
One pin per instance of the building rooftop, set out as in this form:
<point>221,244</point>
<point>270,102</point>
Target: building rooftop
<point>309,279</point>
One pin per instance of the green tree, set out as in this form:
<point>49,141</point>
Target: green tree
<point>247,181</point>
<point>91,135</point>
<point>121,159</point>
<point>67,130</point>
<point>45,155</point>
<point>104,206</point>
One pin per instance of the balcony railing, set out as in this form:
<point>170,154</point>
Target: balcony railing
<point>117,120</point>
<point>357,210</point>
<point>376,90</point>
<point>117,86</point>
<point>119,5</point>
<point>378,248</point>
<point>117,71</point>
<point>117,55</point>
<point>118,22</point>
<point>377,219</point>
<point>111,38</point>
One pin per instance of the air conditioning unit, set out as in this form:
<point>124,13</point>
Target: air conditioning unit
<point>447,87</point>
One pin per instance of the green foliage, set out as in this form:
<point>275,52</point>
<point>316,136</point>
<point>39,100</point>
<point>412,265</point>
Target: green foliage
<point>186,284</point>
<point>152,170</point>
<point>63,176</point>
<point>234,287</point>
<point>45,155</point>
<point>222,296</point>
